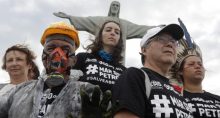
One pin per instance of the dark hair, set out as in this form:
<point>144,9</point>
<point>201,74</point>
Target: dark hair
<point>97,45</point>
<point>30,57</point>
<point>34,73</point>
<point>142,58</point>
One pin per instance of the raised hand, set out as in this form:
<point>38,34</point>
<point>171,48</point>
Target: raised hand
<point>97,106</point>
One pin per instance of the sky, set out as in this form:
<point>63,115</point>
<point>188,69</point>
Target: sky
<point>23,22</point>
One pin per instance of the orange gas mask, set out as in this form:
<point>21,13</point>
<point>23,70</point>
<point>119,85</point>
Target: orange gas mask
<point>57,61</point>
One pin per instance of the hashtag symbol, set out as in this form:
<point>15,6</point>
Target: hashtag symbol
<point>161,106</point>
<point>192,107</point>
<point>92,69</point>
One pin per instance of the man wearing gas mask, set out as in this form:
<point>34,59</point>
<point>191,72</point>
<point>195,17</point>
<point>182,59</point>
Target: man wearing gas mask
<point>55,94</point>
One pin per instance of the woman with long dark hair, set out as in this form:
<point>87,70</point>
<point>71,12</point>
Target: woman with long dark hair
<point>102,63</point>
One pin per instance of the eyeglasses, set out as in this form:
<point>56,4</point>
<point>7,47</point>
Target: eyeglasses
<point>164,40</point>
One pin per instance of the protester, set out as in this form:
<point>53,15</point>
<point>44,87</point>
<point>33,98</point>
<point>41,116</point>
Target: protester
<point>190,69</point>
<point>139,98</point>
<point>101,64</point>
<point>18,61</point>
<point>54,94</point>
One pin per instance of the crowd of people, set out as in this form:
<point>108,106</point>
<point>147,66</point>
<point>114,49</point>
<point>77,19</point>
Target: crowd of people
<point>96,84</point>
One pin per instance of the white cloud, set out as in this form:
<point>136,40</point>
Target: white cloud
<point>24,6</point>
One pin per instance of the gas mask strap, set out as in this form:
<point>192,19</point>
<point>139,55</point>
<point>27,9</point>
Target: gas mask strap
<point>71,54</point>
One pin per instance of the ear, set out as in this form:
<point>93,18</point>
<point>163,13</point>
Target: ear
<point>72,61</point>
<point>30,66</point>
<point>143,50</point>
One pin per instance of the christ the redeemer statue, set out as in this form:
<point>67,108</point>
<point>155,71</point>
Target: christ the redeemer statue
<point>92,24</point>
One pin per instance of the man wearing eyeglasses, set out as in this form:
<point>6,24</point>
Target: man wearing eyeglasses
<point>157,99</point>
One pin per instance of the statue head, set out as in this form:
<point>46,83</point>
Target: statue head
<point>114,9</point>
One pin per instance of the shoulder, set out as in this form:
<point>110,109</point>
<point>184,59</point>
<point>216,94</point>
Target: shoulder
<point>20,89</point>
<point>133,69</point>
<point>132,74</point>
<point>84,55</point>
<point>7,89</point>
<point>2,85</point>
<point>118,66</point>
<point>211,95</point>
<point>121,66</point>
<point>26,86</point>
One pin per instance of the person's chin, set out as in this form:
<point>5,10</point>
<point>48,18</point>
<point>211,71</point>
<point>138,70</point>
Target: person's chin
<point>111,44</point>
<point>169,58</point>
<point>199,77</point>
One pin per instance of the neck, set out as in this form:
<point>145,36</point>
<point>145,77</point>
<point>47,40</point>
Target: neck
<point>108,49</point>
<point>162,70</point>
<point>113,15</point>
<point>193,88</point>
<point>18,79</point>
<point>54,80</point>
<point>66,77</point>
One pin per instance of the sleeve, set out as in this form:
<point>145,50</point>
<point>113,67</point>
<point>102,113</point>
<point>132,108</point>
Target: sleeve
<point>129,91</point>
<point>5,103</point>
<point>136,31</point>
<point>89,24</point>
<point>3,107</point>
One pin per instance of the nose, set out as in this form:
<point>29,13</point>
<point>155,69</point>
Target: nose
<point>171,44</point>
<point>198,66</point>
<point>112,32</point>
<point>14,62</point>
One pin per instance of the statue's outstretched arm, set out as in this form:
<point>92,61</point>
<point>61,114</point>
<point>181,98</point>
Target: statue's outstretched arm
<point>89,24</point>
<point>137,31</point>
<point>61,15</point>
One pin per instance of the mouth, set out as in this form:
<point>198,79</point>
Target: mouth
<point>168,52</point>
<point>111,38</point>
<point>198,72</point>
<point>14,70</point>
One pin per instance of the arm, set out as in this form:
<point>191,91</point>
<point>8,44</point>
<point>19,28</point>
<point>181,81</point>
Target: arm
<point>3,107</point>
<point>136,31</point>
<point>5,94</point>
<point>89,24</point>
<point>129,92</point>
